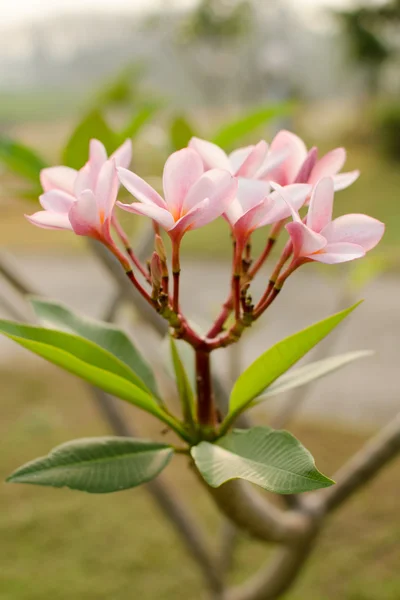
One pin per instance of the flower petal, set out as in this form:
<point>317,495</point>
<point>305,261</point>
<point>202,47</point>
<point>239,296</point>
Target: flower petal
<point>321,205</point>
<point>328,165</point>
<point>97,157</point>
<point>355,229</point>
<point>237,157</point>
<point>253,161</point>
<point>123,155</point>
<point>255,217</point>
<point>106,190</point>
<point>139,188</point>
<point>158,214</point>
<point>213,156</point>
<point>338,253</point>
<point>196,217</point>
<point>342,180</point>
<point>273,159</point>
<point>84,180</point>
<point>50,220</point>
<point>181,171</point>
<point>304,240</point>
<point>215,184</point>
<point>295,196</point>
<point>57,201</point>
<point>84,215</point>
<point>306,168</point>
<point>287,171</point>
<point>251,192</point>
<point>58,178</point>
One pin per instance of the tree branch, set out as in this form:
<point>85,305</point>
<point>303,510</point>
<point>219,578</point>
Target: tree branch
<point>254,514</point>
<point>361,468</point>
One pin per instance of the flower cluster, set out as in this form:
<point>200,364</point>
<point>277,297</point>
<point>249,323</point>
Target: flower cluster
<point>250,188</point>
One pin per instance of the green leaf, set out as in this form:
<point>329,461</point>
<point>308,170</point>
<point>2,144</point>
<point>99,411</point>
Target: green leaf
<point>274,460</point>
<point>97,465</point>
<point>181,132</point>
<point>140,118</point>
<point>184,388</point>
<point>232,132</point>
<point>57,316</point>
<point>276,361</point>
<point>20,159</point>
<point>88,361</point>
<point>311,372</point>
<point>76,151</point>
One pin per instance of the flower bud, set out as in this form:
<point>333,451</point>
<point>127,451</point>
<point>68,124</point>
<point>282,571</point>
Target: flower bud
<point>156,270</point>
<point>160,248</point>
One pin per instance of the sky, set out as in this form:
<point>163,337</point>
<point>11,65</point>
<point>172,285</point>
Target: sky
<point>19,12</point>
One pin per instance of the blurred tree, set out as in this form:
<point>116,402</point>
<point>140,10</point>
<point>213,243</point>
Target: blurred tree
<point>370,46</point>
<point>219,21</point>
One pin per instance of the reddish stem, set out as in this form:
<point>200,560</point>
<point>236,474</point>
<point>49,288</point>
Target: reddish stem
<point>176,271</point>
<point>125,240</point>
<point>206,413</point>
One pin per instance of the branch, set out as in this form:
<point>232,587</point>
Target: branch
<point>271,583</point>
<point>254,514</point>
<point>362,467</point>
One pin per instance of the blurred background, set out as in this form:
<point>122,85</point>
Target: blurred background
<point>160,71</point>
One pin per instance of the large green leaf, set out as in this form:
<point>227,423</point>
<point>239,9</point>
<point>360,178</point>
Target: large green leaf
<point>311,372</point>
<point>21,160</point>
<point>97,465</point>
<point>139,119</point>
<point>57,316</point>
<point>184,388</point>
<point>181,131</point>
<point>88,361</point>
<point>276,361</point>
<point>75,153</point>
<point>274,460</point>
<point>235,130</point>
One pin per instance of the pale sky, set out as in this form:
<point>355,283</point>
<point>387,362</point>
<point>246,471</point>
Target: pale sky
<point>18,12</point>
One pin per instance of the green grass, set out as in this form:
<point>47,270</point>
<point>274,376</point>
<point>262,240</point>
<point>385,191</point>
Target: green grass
<point>64,545</point>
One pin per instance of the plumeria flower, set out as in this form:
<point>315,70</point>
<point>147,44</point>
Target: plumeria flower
<point>250,162</point>
<point>253,209</point>
<point>330,241</point>
<point>192,198</point>
<point>82,201</point>
<point>301,166</point>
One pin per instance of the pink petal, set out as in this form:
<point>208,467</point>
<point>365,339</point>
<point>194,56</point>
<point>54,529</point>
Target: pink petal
<point>338,253</point>
<point>297,153</point>
<point>251,192</point>
<point>106,190</point>
<point>84,215</point>
<point>253,160</point>
<point>305,170</point>
<point>328,165</point>
<point>234,212</point>
<point>213,156</point>
<point>255,217</point>
<point>61,178</point>
<point>355,229</point>
<point>97,157</point>
<point>304,240</point>
<point>321,205</point>
<point>123,155</point>
<point>49,220</point>
<point>85,180</point>
<point>56,201</point>
<point>280,192</point>
<point>196,217</point>
<point>237,157</point>
<point>141,190</point>
<point>295,196</point>
<point>343,180</point>
<point>181,171</point>
<point>158,214</point>
<point>215,184</point>
<point>273,160</point>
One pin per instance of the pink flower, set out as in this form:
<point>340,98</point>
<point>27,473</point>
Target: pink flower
<point>255,206</point>
<point>82,201</point>
<point>301,166</point>
<point>251,162</point>
<point>192,198</point>
<point>330,241</point>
